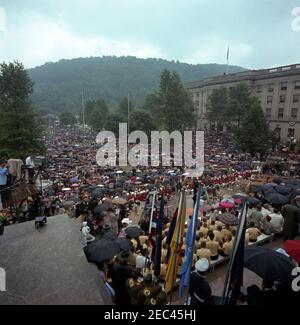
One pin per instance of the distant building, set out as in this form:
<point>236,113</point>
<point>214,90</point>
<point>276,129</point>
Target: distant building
<point>278,90</point>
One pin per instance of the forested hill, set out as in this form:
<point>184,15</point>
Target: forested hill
<point>58,86</point>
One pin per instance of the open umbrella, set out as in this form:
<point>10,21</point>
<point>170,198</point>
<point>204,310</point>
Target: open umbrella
<point>123,244</point>
<point>119,201</point>
<point>98,192</point>
<point>226,205</point>
<point>109,235</point>
<point>269,188</point>
<point>133,231</point>
<point>101,250</point>
<point>228,219</point>
<point>292,247</point>
<point>295,183</point>
<point>267,263</point>
<point>253,201</point>
<point>283,190</point>
<point>276,198</point>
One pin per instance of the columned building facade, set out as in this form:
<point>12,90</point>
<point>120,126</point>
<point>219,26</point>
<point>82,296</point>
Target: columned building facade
<point>278,90</point>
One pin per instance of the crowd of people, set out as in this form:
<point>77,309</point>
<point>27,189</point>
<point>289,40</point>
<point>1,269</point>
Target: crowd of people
<point>106,201</point>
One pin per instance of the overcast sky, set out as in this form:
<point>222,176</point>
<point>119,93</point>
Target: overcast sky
<point>259,32</point>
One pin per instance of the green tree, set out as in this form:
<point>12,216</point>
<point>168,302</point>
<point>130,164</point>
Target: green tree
<point>239,103</point>
<point>20,126</point>
<point>217,106</point>
<point>96,113</point>
<point>254,134</point>
<point>112,122</point>
<point>152,105</point>
<point>143,121</point>
<point>67,118</point>
<point>177,109</point>
<point>124,105</point>
<point>171,107</point>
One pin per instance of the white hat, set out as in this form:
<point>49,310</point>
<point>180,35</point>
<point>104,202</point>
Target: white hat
<point>202,265</point>
<point>126,220</point>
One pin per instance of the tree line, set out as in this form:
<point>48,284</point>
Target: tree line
<point>169,108</point>
<point>242,116</point>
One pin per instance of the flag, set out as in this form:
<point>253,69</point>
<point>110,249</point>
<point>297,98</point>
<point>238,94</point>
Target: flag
<point>228,53</point>
<point>159,226</point>
<point>176,244</point>
<point>152,225</point>
<point>171,232</point>
<point>234,278</point>
<point>190,247</point>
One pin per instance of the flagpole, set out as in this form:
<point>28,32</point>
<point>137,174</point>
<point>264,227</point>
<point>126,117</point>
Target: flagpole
<point>150,224</point>
<point>227,67</point>
<point>195,216</point>
<point>152,210</point>
<point>178,236</point>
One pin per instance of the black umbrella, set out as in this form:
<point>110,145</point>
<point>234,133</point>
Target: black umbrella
<point>269,188</point>
<point>109,235</point>
<point>267,263</point>
<point>98,192</point>
<point>295,183</point>
<point>293,194</point>
<point>256,188</point>
<point>282,189</point>
<point>253,201</point>
<point>123,243</point>
<point>133,231</point>
<point>101,250</point>
<point>276,198</point>
<point>100,209</point>
<point>228,219</point>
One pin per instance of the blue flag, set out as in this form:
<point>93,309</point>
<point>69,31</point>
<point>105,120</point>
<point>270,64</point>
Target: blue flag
<point>190,246</point>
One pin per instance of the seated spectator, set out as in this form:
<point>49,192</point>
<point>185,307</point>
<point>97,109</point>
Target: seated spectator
<point>203,251</point>
<point>213,246</point>
<point>143,239</point>
<point>219,236</point>
<point>227,246</point>
<point>204,229</point>
<point>253,232</point>
<point>277,221</point>
<point>256,216</point>
<point>163,270</point>
<point>266,226</point>
<point>213,225</point>
<point>164,252</point>
<point>141,259</point>
<point>226,231</point>
<point>246,239</point>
